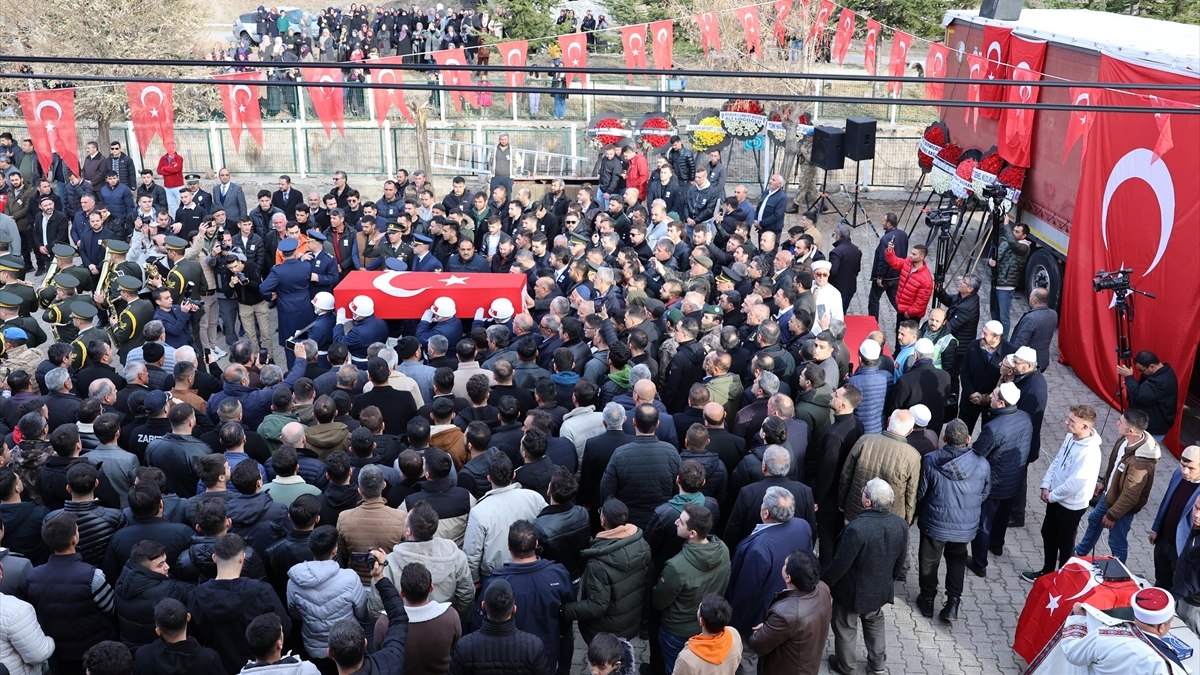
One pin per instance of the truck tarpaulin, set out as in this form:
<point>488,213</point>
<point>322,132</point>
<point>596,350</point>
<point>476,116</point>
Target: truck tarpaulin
<point>1136,209</point>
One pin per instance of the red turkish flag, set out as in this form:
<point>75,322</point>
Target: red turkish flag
<point>710,31</point>
<point>455,78</point>
<point>845,33</point>
<point>406,295</point>
<point>897,62</point>
<point>935,66</point>
<point>1135,209</point>
<point>152,110</point>
<point>50,116</point>
<point>574,51</point>
<point>996,40</point>
<point>1166,138</point>
<point>818,24</point>
<point>241,106</point>
<point>663,33</point>
<point>327,100</point>
<point>748,17</point>
<point>782,9</point>
<point>1053,596</point>
<point>1080,124</point>
<point>869,50</point>
<point>1016,124</point>
<point>514,54</point>
<point>977,69</point>
<point>386,98</point>
<point>633,42</point>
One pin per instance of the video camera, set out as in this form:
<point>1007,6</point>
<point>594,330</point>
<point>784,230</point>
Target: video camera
<point>938,218</point>
<point>1116,281</point>
<point>995,191</point>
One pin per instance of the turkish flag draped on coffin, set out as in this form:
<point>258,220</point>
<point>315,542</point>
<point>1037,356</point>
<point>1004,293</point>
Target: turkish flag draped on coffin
<point>871,47</point>
<point>845,33</point>
<point>455,78</point>
<point>996,40</point>
<point>152,110</point>
<point>1139,210</point>
<point>50,116</point>
<point>710,31</point>
<point>386,98</point>
<point>574,54</point>
<point>1016,124</point>
<point>327,99</point>
<point>241,106</point>
<point>664,43</point>
<point>748,17</point>
<point>514,54</point>
<point>406,295</point>
<point>901,41</point>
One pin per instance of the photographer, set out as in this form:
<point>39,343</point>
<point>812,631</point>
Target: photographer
<point>227,304</point>
<point>202,248</point>
<point>244,280</point>
<point>176,319</point>
<point>141,245</point>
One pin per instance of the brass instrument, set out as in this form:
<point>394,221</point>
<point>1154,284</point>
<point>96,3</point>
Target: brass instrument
<point>106,278</point>
<point>49,278</point>
<point>153,272</point>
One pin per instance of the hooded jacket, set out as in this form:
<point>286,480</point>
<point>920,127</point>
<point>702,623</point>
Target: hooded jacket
<point>260,520</point>
<point>196,565</point>
<point>320,593</point>
<point>613,587</point>
<point>447,566</point>
<point>222,609</point>
<point>815,407</point>
<point>187,657</point>
<point>1071,477</point>
<point>325,439</point>
<point>699,569</point>
<point>137,591</point>
<point>954,485</point>
<point>337,499</point>
<point>711,655</point>
<point>1130,476</point>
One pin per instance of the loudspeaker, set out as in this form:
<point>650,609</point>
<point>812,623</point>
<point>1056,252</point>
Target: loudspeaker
<point>1002,10</point>
<point>860,138</point>
<point>827,147</point>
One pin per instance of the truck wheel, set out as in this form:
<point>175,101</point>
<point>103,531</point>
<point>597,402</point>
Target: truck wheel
<point>1045,271</point>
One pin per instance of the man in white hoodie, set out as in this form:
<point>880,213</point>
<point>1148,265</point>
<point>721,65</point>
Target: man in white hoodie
<point>1067,487</point>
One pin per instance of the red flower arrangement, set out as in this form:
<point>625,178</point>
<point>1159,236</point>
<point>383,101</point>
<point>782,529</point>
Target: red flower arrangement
<point>932,141</point>
<point>944,166</point>
<point>960,184</point>
<point>986,171</point>
<point>608,123</point>
<point>608,130</point>
<point>992,164</point>
<point>656,131</point>
<point>1013,177</point>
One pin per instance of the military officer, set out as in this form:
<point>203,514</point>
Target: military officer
<point>58,314</point>
<point>12,271</point>
<point>18,355</point>
<point>137,312</point>
<point>186,278</point>
<point>118,266</point>
<point>6,242</point>
<point>423,260</point>
<point>83,315</point>
<point>399,241</point>
<point>202,199</point>
<point>10,306</point>
<point>64,263</point>
<point>289,284</point>
<point>324,275</point>
<point>360,331</point>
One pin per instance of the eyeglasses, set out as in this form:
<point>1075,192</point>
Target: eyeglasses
<point>572,222</point>
<point>820,274</point>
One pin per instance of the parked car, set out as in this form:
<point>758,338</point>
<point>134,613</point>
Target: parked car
<point>246,25</point>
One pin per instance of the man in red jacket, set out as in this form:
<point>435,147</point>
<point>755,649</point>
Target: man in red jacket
<point>637,171</point>
<point>170,167</point>
<point>916,282</point>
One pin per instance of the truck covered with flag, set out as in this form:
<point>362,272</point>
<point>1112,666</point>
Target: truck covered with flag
<point>1101,190</point>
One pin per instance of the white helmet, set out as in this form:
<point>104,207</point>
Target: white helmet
<point>444,308</point>
<point>323,301</point>
<point>362,306</point>
<point>502,309</point>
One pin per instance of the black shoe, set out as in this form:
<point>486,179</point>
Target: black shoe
<point>39,272</point>
<point>1016,522</point>
<point>925,604</point>
<point>978,571</point>
<point>949,613</point>
<point>996,551</point>
<point>1032,576</point>
<point>834,667</point>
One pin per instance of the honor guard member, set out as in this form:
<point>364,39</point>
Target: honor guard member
<point>10,306</point>
<point>17,353</point>
<point>12,272</point>
<point>321,329</point>
<point>134,316</point>
<point>83,314</point>
<point>399,242</point>
<point>186,278</point>
<point>58,314</point>
<point>6,242</point>
<point>203,199</point>
<point>324,275</point>
<point>289,284</point>
<point>361,329</point>
<point>118,266</point>
<point>423,260</point>
<point>64,263</point>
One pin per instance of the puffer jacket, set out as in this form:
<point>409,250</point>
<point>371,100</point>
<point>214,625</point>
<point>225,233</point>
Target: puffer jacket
<point>258,519</point>
<point>641,474</point>
<point>875,386</point>
<point>954,484</point>
<point>451,502</point>
<point>683,163</point>
<point>1132,469</point>
<point>499,648</point>
<point>321,593</point>
<point>372,523</point>
<point>610,181</point>
<point>885,456</point>
<point>137,591</point>
<point>23,645</point>
<point>97,525</point>
<point>915,286</point>
<point>699,569</point>
<point>1011,259</point>
<point>1004,442</point>
<point>447,566</point>
<point>614,584</point>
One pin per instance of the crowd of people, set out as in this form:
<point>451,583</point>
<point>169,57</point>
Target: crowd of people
<point>668,445</point>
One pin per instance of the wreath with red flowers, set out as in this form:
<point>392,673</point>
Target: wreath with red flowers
<point>936,136</point>
<point>655,131</point>
<point>605,131</point>
<point>743,117</point>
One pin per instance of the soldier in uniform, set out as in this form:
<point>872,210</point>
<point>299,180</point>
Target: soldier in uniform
<point>9,307</point>
<point>325,273</point>
<point>399,242</point>
<point>6,242</point>
<point>289,284</point>
<point>17,354</point>
<point>186,278</point>
<point>423,260</point>
<point>137,312</point>
<point>109,295</point>
<point>202,199</point>
<point>64,256</point>
<point>83,315</point>
<point>58,314</point>
<point>12,272</point>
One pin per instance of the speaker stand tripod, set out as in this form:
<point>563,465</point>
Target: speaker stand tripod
<point>823,200</point>
<point>855,206</point>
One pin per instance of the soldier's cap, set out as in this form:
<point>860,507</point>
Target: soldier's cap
<point>703,261</point>
<point>116,245</point>
<point>64,280</point>
<point>193,178</point>
<point>395,226</point>
<point>63,251</point>
<point>5,238</point>
<point>12,263</point>
<point>10,300</point>
<point>176,243</point>
<point>577,239</point>
<point>15,333</point>
<point>128,282</point>
<point>730,275</point>
<point>714,310</point>
<point>288,246</point>
<point>594,265</point>
<point>422,239</point>
<point>316,234</point>
<point>83,310</point>
<point>395,265</point>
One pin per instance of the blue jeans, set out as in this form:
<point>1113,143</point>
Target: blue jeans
<point>1002,309</point>
<point>560,107</point>
<point>1118,534</point>
<point>671,646</point>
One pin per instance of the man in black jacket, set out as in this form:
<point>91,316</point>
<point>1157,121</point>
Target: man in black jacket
<point>828,459</point>
<point>499,647</point>
<point>885,279</point>
<point>146,503</point>
<point>252,512</point>
<point>846,259</point>
<point>175,653</point>
<point>642,473</point>
<point>142,584</point>
<point>744,516</point>
<point>1156,393</point>
<point>686,367</point>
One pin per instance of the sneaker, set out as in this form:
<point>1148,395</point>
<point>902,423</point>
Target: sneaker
<point>1032,576</point>
<point>217,352</point>
<point>977,570</point>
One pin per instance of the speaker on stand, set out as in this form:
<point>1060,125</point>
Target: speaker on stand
<point>860,147</point>
<point>828,154</point>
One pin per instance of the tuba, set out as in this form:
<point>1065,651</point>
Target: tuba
<point>106,275</point>
<point>49,278</point>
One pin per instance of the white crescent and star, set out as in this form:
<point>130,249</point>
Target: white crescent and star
<point>37,114</point>
<point>660,38</point>
<point>939,65</point>
<point>636,51</point>
<point>748,22</point>
<point>995,63</point>
<point>386,73</point>
<point>234,94</point>
<point>1142,164</point>
<point>326,91</point>
<point>871,35</point>
<point>574,48</point>
<point>1084,98</point>
<point>514,57</point>
<point>161,97</point>
<point>384,283</point>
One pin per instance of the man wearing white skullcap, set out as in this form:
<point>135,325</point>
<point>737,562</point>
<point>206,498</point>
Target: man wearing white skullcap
<point>922,383</point>
<point>1173,524</point>
<point>1034,397</point>
<point>980,371</point>
<point>1139,646</point>
<point>921,437</point>
<point>1004,441</point>
<point>826,296</point>
<point>873,383</point>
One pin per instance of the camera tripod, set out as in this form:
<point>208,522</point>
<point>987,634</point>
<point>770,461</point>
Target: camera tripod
<point>1123,304</point>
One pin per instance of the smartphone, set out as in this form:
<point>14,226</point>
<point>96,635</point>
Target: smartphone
<point>361,558</point>
<point>821,312</point>
<point>264,356</point>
